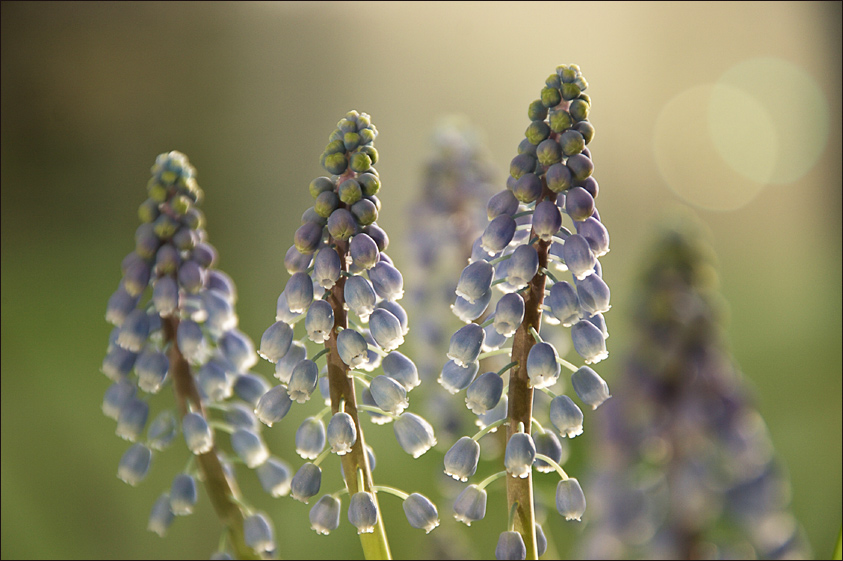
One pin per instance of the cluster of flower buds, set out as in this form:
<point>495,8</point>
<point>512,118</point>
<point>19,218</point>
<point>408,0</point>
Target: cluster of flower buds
<point>340,273</point>
<point>525,238</point>
<point>445,219</point>
<point>176,325</point>
<point>683,454</point>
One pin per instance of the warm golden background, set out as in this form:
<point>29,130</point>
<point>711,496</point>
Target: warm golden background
<point>730,108</point>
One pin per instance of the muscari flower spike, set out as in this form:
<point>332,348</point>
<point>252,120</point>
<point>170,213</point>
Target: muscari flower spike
<point>680,367</point>
<point>175,324</point>
<point>514,272</point>
<point>347,290</point>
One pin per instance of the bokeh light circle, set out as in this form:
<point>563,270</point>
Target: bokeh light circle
<point>799,110</point>
<point>700,131</point>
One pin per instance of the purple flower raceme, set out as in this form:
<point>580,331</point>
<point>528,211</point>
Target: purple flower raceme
<point>513,273</point>
<point>679,366</point>
<point>349,301</point>
<point>175,324</point>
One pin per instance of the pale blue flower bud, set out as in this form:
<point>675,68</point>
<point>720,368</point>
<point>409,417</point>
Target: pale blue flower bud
<point>542,367</point>
<point>578,256</point>
<point>132,419</point>
<point>219,313</point>
<point>222,284</point>
<point>520,455</point>
<point>590,387</point>
<point>136,275</point>
<point>134,330</point>
<point>183,494</point>
<point>484,392</point>
<point>306,482</point>
<point>327,267</point>
<point>359,296</point>
<point>363,251</point>
<point>341,433</point>
<point>249,447</point>
<point>465,344</point>
<point>363,512</point>
<point>387,281</point>
<point>197,433</point>
<point>468,312</point>
<point>275,477</point>
<point>594,295</point>
<point>596,234</point>
<point>503,202</point>
<point>325,515</point>
<point>310,438</point>
<point>455,378</point>
<point>470,505</point>
<point>341,224</point>
<point>273,405</point>
<point>214,381</point>
<point>134,465</point>
<point>284,367</point>
<point>547,219</point>
<point>276,341</point>
<point>238,349</point>
<point>461,459</point>
<point>299,291</point>
<point>498,234</point>
<point>120,305</point>
<point>296,262</point>
<point>116,397</point>
<point>570,500</point>
<point>401,369</point>
<point>589,342</point>
<point>162,430</point>
<point>579,204</point>
<point>527,188</point>
<point>250,388</point>
<point>191,277</point>
<point>510,545</point>
<point>493,340</point>
<point>258,533</point>
<point>541,541</point>
<point>352,348</point>
<point>493,415</point>
<point>319,321</point>
<point>547,444</point>
<point>421,512</point>
<point>191,341</point>
<point>308,236</point>
<point>398,311</point>
<point>523,266</point>
<point>241,416</point>
<point>414,434</point>
<point>151,367</point>
<point>161,516</point>
<point>389,395</point>
<point>600,323</point>
<point>566,416</point>
<point>509,313</point>
<point>564,303</point>
<point>303,381</point>
<point>282,310</point>
<point>165,296</point>
<point>377,418</point>
<point>475,281</point>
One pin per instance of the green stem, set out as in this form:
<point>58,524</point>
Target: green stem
<point>220,488</point>
<point>392,491</point>
<point>497,352</point>
<point>838,551</point>
<point>554,465</point>
<point>355,464</point>
<point>519,492</point>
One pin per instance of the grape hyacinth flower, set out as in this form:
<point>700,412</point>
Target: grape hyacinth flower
<point>176,327</point>
<point>348,299</point>
<point>707,453</point>
<point>523,248</point>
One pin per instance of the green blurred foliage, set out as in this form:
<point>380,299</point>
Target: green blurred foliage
<point>92,92</point>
